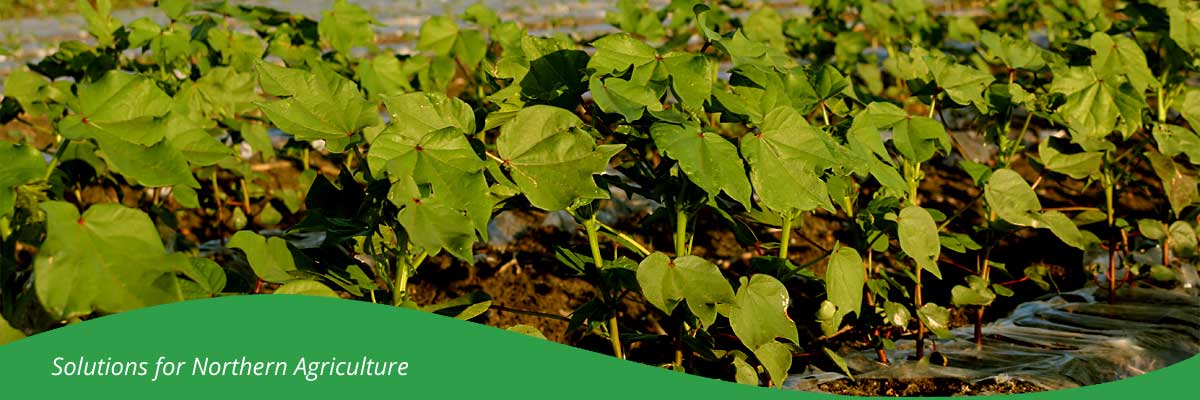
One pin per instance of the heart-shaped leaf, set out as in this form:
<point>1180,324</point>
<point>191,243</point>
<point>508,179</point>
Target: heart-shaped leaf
<point>108,260</point>
<point>708,160</point>
<point>551,158</point>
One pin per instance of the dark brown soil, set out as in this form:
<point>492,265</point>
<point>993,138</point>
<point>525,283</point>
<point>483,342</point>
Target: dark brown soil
<point>926,387</point>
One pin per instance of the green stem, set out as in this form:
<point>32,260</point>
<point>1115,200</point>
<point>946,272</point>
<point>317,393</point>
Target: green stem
<point>62,147</point>
<point>401,288</point>
<point>245,197</point>
<point>306,154</point>
<point>592,227</point>
<point>640,248</point>
<point>785,236</point>
<point>824,114</point>
<point>681,242</point>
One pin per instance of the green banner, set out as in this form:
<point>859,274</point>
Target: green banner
<point>309,347</point>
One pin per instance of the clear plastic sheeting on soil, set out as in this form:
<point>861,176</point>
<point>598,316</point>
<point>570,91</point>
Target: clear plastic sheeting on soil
<point>1074,339</point>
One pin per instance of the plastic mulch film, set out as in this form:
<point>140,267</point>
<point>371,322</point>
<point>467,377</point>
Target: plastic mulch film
<point>1070,340</point>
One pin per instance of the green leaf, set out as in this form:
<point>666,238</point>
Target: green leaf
<point>759,312</point>
<point>204,279</point>
<point>551,158</point>
<point>919,138</point>
<point>1151,229</point>
<point>839,361</point>
<point>527,331</point>
<point>108,260</point>
<point>1183,239</point>
<point>159,165</point>
<point>118,107</point>
<point>8,334</point>
<point>306,287</point>
<point>346,26</point>
<point>1012,198</point>
<point>776,358</point>
<point>919,238</point>
<point>22,164</point>
<point>620,51</point>
<point>1174,140</point>
<point>936,319</point>
<point>1178,182</point>
<point>1015,52</point>
<point>101,23</point>
<point>1079,165</point>
<point>964,84</point>
<point>1015,202</point>
<point>1095,102</point>
<point>464,307</point>
<point>1185,28</point>
<point>785,158</point>
<point>896,314</point>
<point>269,257</point>
<point>619,96</point>
<point>186,196</point>
<point>844,280</point>
<point>667,282</point>
<point>314,106</point>
<point>442,36</point>
<point>977,294</point>
<point>383,76</point>
<point>434,226</point>
<point>1120,55</point>
<point>708,160</point>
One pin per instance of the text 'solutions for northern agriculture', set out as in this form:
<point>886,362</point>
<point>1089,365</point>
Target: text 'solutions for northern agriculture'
<point>205,367</point>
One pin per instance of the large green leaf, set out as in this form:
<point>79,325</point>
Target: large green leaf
<point>321,105</point>
<point>708,159</point>
<point>22,164</point>
<point>759,314</point>
<point>119,106</point>
<point>108,260</point>
<point>551,158</point>
<point>844,280</point>
<point>346,26</point>
<point>1095,102</point>
<point>1120,55</point>
<point>666,283</point>
<point>919,238</point>
<point>786,158</point>
<point>442,161</point>
<point>269,257</point>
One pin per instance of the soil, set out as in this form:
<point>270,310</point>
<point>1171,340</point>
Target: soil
<point>926,387</point>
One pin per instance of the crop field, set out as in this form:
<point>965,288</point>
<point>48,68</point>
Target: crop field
<point>771,193</point>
